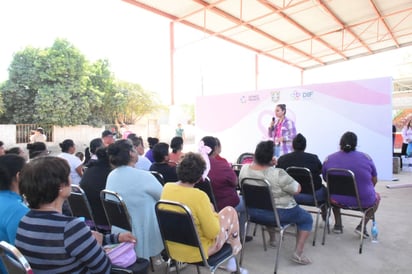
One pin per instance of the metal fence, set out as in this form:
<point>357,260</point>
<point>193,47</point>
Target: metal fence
<point>24,131</point>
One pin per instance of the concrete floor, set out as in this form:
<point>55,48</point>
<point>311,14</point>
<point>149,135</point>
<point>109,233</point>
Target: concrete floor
<point>340,253</point>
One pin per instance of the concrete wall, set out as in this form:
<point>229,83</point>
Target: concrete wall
<point>8,135</point>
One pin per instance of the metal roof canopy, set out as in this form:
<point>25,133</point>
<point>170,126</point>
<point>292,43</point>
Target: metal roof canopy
<point>302,33</point>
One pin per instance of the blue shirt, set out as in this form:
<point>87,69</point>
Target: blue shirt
<point>12,209</point>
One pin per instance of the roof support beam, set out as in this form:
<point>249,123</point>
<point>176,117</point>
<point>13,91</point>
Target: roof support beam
<point>303,29</point>
<point>256,30</point>
<point>327,10</point>
<point>384,23</point>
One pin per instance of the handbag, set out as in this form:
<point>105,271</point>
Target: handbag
<point>122,255</point>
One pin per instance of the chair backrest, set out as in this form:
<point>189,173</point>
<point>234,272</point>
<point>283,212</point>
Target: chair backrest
<point>115,209</point>
<point>158,176</point>
<point>304,177</point>
<point>176,225</point>
<point>13,261</point>
<point>206,186</point>
<point>79,205</point>
<point>245,158</point>
<point>342,181</point>
<point>257,194</point>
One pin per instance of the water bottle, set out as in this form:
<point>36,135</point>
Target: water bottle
<point>374,232</point>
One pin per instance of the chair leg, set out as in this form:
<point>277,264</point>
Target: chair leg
<point>198,269</point>
<point>243,243</point>
<point>254,230</point>
<point>264,238</point>
<point>361,237</point>
<point>326,225</point>
<point>151,264</point>
<point>316,227</point>
<point>278,250</point>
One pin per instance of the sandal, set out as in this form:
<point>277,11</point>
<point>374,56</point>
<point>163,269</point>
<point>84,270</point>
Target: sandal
<point>302,259</point>
<point>272,244</point>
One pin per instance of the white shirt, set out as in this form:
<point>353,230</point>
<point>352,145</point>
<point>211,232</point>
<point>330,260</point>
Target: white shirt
<point>74,163</point>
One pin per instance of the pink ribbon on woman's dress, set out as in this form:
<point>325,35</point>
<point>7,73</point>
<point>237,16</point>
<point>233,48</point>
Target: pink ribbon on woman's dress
<point>204,151</point>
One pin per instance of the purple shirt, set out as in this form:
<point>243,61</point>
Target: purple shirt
<point>224,182</point>
<point>288,132</point>
<point>361,164</point>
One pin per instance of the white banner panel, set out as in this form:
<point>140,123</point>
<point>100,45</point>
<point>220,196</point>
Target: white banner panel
<point>321,112</point>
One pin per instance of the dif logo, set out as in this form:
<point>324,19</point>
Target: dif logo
<point>301,94</point>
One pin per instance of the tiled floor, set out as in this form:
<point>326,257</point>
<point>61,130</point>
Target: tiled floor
<point>393,253</point>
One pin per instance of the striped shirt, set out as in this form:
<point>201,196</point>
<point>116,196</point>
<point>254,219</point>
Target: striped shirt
<point>55,243</point>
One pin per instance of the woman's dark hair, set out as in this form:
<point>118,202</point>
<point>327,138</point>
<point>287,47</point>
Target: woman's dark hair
<point>119,152</point>
<point>95,144</point>
<point>101,154</point>
<point>210,141</point>
<point>348,141</point>
<point>66,145</point>
<point>10,165</point>
<point>176,144</point>
<point>264,153</point>
<point>191,168</point>
<point>13,150</point>
<point>152,141</point>
<point>36,149</point>
<point>160,151</point>
<point>282,107</point>
<point>42,178</point>
<point>1,143</point>
<point>299,142</point>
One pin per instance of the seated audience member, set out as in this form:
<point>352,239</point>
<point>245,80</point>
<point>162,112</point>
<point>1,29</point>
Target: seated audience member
<point>38,136</point>
<point>2,149</point>
<point>90,153</point>
<point>214,228</point>
<point>37,149</point>
<point>140,191</point>
<point>361,164</point>
<point>80,155</point>
<point>177,146</point>
<point>161,163</point>
<point>18,151</point>
<point>76,166</point>
<point>12,208</point>
<point>218,151</point>
<point>224,183</point>
<point>94,181</point>
<point>45,182</point>
<point>142,163</point>
<point>107,138</point>
<point>283,188</point>
<point>152,142</point>
<point>300,158</point>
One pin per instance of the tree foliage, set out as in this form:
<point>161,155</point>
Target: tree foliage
<point>59,86</point>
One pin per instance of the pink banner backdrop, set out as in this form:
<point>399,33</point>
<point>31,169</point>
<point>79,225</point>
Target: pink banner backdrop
<point>321,112</point>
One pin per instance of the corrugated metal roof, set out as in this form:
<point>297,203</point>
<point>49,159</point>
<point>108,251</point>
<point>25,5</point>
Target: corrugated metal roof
<point>302,33</point>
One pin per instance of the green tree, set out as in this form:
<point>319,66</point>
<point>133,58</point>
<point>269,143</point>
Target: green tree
<point>20,90</point>
<point>62,97</point>
<point>59,86</point>
<point>134,102</point>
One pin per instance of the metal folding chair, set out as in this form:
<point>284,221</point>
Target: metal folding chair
<point>158,176</point>
<point>304,177</point>
<point>257,195</point>
<point>115,210</point>
<point>177,226</point>
<point>206,186</point>
<point>342,182</point>
<point>79,205</point>
<point>13,261</point>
